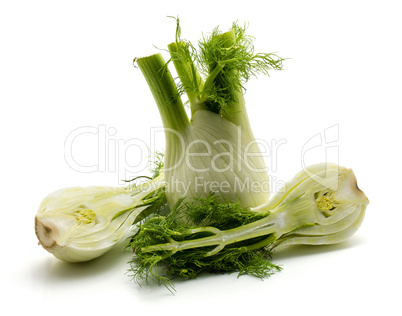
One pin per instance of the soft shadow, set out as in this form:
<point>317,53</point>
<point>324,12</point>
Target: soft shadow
<point>151,291</point>
<point>310,250</point>
<point>199,285</point>
<point>147,287</point>
<point>114,257</point>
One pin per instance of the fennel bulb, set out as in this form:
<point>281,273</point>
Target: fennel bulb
<point>82,223</point>
<point>323,206</point>
<point>214,151</point>
<point>211,157</point>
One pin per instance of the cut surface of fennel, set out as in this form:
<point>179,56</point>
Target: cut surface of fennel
<point>82,223</point>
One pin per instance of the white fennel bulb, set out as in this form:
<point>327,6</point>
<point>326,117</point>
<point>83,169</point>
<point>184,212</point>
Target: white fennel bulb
<point>213,155</point>
<point>215,150</point>
<point>320,205</point>
<point>82,223</point>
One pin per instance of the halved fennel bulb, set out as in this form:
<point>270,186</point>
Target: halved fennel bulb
<point>82,223</point>
<point>320,205</point>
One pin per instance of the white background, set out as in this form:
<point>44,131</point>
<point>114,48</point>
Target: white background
<point>68,64</point>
